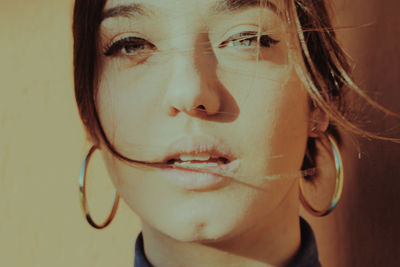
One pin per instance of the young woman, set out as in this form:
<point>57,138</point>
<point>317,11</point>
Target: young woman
<point>209,114</point>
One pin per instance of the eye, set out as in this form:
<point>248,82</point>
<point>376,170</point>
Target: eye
<point>129,46</point>
<point>248,40</point>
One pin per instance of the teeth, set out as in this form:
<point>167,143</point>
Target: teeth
<point>195,165</point>
<point>203,157</point>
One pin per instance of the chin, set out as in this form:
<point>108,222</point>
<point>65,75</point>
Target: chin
<point>201,231</point>
<point>207,225</point>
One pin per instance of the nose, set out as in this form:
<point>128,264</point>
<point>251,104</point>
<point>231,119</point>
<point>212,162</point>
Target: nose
<point>191,88</point>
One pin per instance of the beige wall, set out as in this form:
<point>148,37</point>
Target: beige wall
<point>42,144</point>
<point>41,148</point>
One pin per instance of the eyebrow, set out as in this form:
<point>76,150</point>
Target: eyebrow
<point>125,11</point>
<point>234,5</point>
<point>220,7</point>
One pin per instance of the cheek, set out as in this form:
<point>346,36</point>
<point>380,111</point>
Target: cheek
<point>273,118</point>
<point>289,132</point>
<point>128,103</point>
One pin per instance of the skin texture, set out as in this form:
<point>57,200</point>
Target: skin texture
<point>253,103</point>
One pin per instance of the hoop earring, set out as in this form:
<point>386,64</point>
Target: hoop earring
<point>338,186</point>
<point>82,195</point>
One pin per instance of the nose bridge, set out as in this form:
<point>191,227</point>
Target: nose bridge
<point>191,52</point>
<point>185,82</point>
<point>189,85</point>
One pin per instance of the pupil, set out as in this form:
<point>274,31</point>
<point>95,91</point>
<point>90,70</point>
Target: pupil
<point>133,47</point>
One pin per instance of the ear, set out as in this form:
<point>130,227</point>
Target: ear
<point>318,123</point>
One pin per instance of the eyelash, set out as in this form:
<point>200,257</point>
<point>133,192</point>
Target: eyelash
<point>265,40</point>
<point>139,43</point>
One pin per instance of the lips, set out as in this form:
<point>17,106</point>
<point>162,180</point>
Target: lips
<point>198,150</point>
<point>210,158</point>
<point>198,163</point>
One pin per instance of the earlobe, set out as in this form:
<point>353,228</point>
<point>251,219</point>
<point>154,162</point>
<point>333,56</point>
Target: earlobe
<point>318,123</point>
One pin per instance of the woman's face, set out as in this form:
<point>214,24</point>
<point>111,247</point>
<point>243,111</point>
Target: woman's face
<point>183,83</point>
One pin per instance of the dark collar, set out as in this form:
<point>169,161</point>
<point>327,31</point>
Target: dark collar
<point>307,256</point>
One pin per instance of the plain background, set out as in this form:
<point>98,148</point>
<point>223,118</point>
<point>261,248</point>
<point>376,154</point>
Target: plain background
<point>42,144</point>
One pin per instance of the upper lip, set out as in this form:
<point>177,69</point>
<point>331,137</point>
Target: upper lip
<point>193,145</point>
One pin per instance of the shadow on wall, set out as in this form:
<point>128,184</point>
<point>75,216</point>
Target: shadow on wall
<point>364,230</point>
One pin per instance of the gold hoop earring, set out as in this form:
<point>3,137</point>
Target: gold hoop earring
<point>82,194</point>
<point>338,186</point>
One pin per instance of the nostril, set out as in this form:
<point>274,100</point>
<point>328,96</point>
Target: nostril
<point>201,107</point>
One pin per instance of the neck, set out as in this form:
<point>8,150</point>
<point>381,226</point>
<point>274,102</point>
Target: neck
<point>272,242</point>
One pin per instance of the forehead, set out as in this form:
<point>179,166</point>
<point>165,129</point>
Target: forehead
<point>195,7</point>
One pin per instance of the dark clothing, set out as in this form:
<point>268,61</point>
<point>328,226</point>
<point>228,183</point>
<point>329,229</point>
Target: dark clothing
<point>307,256</point>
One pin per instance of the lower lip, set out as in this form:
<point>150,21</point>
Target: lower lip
<point>196,179</point>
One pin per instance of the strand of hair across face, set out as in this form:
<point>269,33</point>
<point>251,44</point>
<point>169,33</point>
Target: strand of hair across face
<point>231,175</point>
<point>289,175</point>
<point>211,170</point>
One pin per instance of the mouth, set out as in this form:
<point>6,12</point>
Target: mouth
<point>198,163</point>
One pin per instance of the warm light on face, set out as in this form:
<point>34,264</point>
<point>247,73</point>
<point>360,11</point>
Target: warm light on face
<point>205,84</point>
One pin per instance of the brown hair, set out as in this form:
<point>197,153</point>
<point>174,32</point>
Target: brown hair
<point>326,75</point>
